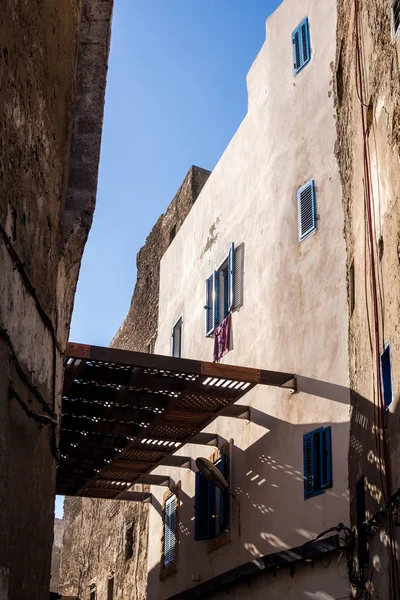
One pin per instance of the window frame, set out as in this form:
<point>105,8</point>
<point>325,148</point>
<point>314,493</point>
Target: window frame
<point>320,480</point>
<point>167,560</point>
<point>387,350</point>
<point>171,567</point>
<point>298,31</point>
<point>219,310</point>
<point>310,230</point>
<point>179,321</point>
<point>206,498</point>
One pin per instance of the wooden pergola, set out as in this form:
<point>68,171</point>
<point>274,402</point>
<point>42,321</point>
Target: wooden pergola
<point>124,413</point>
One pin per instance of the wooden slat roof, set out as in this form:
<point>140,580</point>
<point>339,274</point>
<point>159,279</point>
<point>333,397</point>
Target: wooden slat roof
<point>124,413</point>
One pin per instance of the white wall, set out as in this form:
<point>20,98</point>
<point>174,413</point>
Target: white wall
<point>294,316</point>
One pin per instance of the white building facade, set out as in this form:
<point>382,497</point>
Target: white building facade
<point>276,196</point>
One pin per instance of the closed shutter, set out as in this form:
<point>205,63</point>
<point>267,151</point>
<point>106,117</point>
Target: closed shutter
<point>231,278</point>
<point>296,50</point>
<point>306,209</point>
<point>309,475</point>
<point>170,530</point>
<point>202,515</point>
<point>326,457</point>
<point>209,305</point>
<point>301,46</point>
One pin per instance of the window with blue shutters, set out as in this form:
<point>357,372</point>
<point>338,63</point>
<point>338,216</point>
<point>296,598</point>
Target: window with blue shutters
<point>317,450</point>
<point>301,46</point>
<point>306,207</point>
<point>386,376</point>
<point>224,290</point>
<point>177,338</point>
<point>169,549</point>
<point>211,505</point>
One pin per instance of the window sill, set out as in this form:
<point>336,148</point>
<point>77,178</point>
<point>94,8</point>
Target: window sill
<point>218,542</point>
<point>168,571</point>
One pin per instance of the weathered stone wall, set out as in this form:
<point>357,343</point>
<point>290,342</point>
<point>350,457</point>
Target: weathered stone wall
<point>56,554</point>
<point>139,329</point>
<point>41,77</point>
<point>96,534</point>
<point>381,91</point>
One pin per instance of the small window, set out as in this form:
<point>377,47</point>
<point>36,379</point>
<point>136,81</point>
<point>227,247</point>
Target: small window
<point>317,450</point>
<point>211,505</point>
<point>221,292</point>
<point>177,339</point>
<point>147,283</point>
<point>129,541</point>
<point>93,594</point>
<point>110,589</point>
<point>386,374</point>
<point>170,530</point>
<point>172,233</point>
<point>301,46</point>
<point>148,348</point>
<point>307,222</point>
<point>396,16</point>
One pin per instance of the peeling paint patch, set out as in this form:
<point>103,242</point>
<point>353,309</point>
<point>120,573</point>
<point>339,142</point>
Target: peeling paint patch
<point>212,237</point>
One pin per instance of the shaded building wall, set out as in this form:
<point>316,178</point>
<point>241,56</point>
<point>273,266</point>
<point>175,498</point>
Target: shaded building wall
<point>380,89</point>
<point>43,73</point>
<point>293,318</point>
<point>99,533</point>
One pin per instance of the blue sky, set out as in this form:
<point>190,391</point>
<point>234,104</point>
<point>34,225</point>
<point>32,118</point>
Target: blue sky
<point>176,93</point>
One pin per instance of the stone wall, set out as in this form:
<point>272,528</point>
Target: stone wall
<point>42,74</point>
<point>102,538</point>
<point>381,98</point>
<point>56,554</point>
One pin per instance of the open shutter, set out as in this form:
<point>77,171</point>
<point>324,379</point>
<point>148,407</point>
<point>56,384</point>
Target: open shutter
<point>306,209</point>
<point>216,299</point>
<point>223,500</point>
<point>309,474</point>
<point>325,457</point>
<point>209,305</point>
<point>296,50</point>
<point>202,515</point>
<point>170,530</point>
<point>231,278</point>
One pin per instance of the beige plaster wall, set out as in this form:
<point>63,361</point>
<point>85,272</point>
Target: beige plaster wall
<point>294,316</point>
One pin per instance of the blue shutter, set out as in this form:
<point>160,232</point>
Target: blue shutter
<point>202,514</point>
<point>309,469</point>
<point>296,50</point>
<point>325,457</point>
<point>301,46</point>
<point>169,530</point>
<point>386,371</point>
<point>306,209</point>
<point>216,299</point>
<point>223,496</point>
<point>231,278</point>
<point>209,306</point>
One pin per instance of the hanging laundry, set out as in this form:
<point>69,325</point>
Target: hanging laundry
<point>222,338</point>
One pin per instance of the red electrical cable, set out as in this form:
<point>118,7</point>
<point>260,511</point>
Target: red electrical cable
<point>386,485</point>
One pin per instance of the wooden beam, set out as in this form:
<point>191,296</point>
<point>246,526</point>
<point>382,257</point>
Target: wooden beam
<point>135,496</point>
<point>223,371</point>
<point>176,461</point>
<point>204,439</point>
<point>237,411</point>
<point>163,480</point>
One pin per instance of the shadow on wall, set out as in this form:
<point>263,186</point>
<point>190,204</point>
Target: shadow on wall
<point>274,487</point>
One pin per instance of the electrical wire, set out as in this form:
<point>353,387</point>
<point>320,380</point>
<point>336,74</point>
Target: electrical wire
<point>380,434</point>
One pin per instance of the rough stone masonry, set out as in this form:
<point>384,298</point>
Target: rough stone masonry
<point>53,66</point>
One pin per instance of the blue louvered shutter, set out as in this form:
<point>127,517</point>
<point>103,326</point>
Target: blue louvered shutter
<point>216,299</point>
<point>309,462</point>
<point>202,514</point>
<point>231,278</point>
<point>325,457</point>
<point>296,50</point>
<point>301,46</point>
<point>306,210</point>
<point>223,499</point>
<point>210,304</point>
<point>170,530</point>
